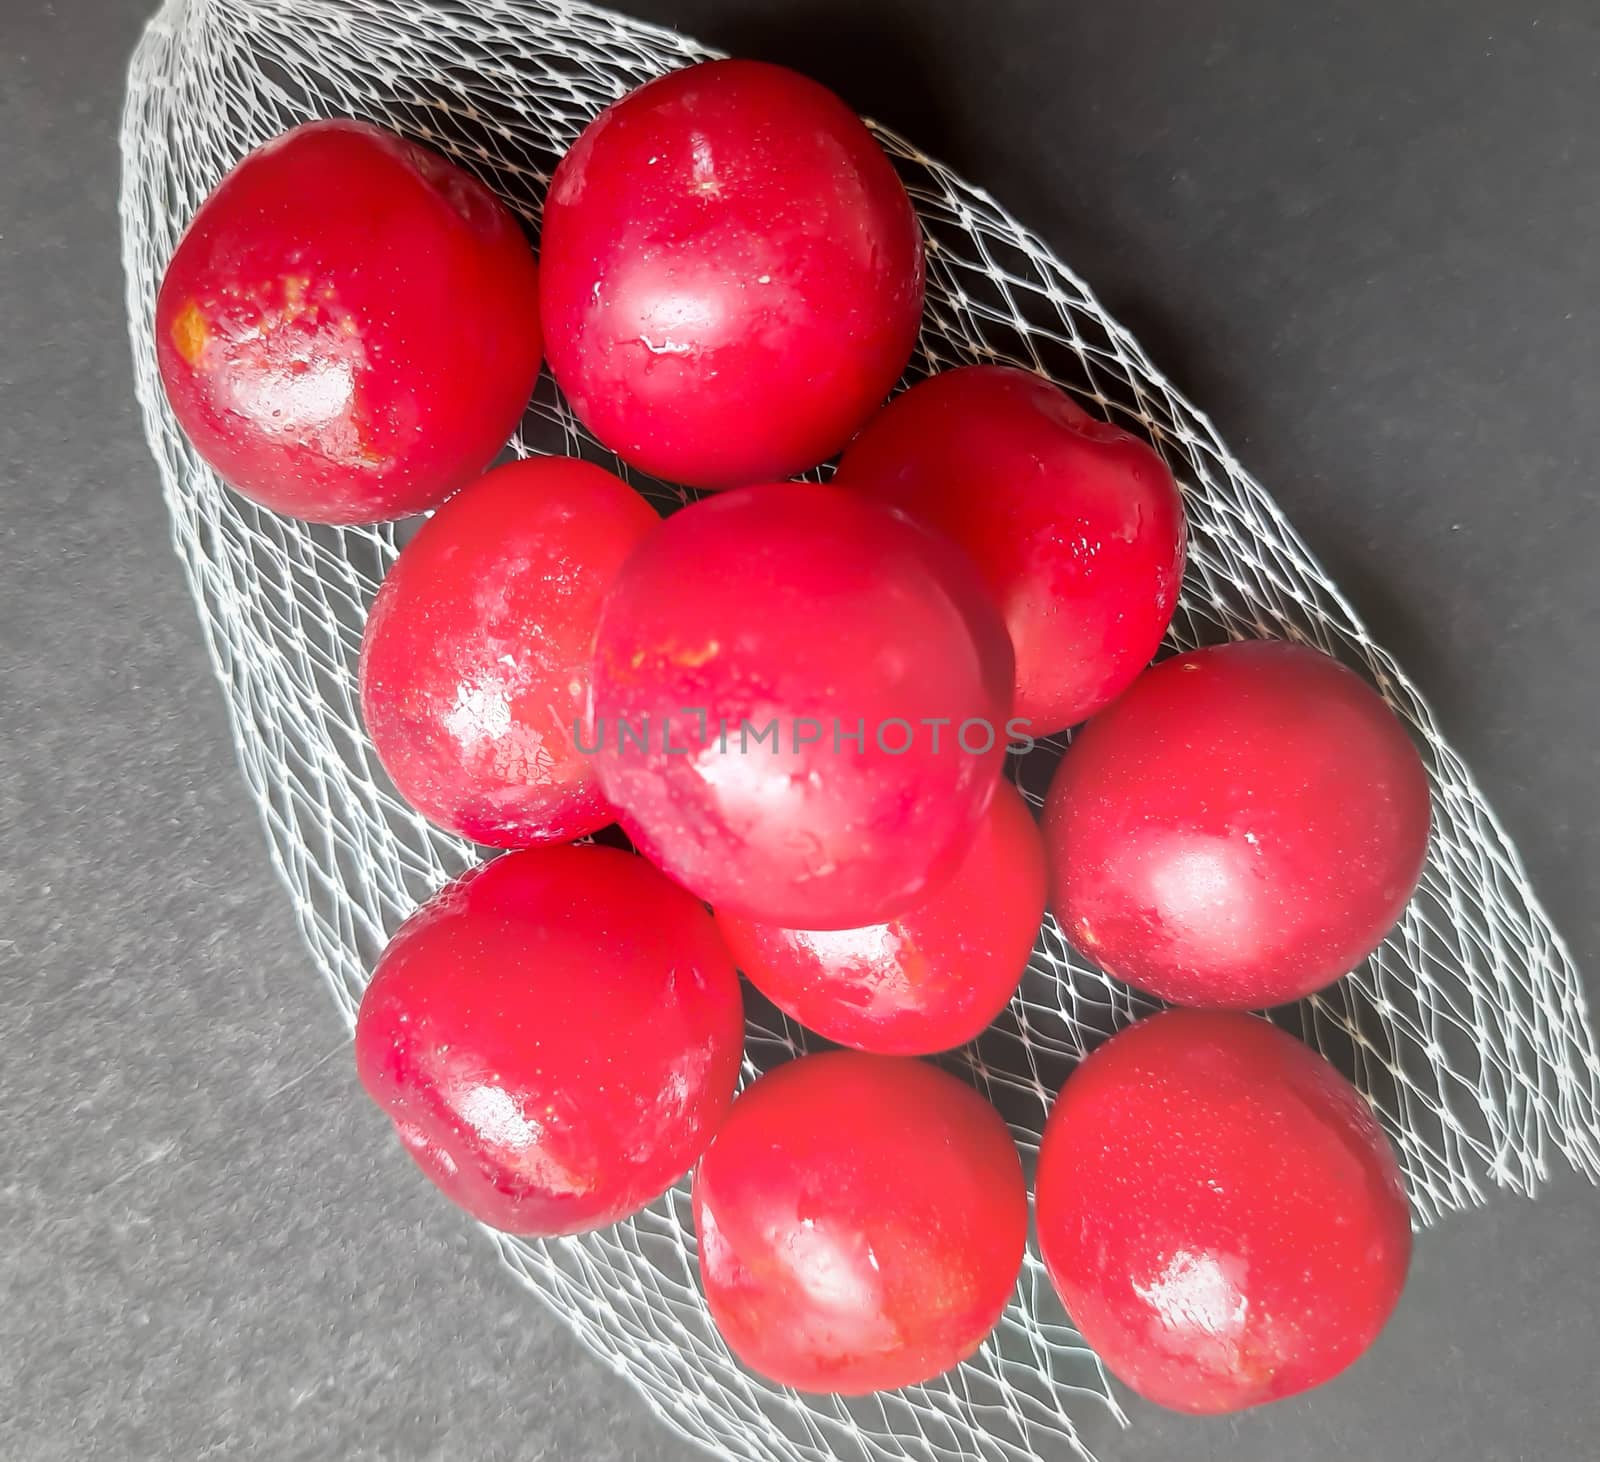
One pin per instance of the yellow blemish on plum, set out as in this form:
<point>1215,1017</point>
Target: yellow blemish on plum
<point>297,302</point>
<point>694,659</point>
<point>913,962</point>
<point>673,655</point>
<point>366,453</point>
<point>190,333</point>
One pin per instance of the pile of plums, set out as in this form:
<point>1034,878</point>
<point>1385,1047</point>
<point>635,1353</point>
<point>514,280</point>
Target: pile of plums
<point>796,700</point>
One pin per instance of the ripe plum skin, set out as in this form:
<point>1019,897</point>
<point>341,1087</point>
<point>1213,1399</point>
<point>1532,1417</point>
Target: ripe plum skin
<point>732,274</point>
<point>1220,1212</point>
<point>1076,525</point>
<point>349,329</point>
<point>813,613</point>
<point>1239,829</point>
<point>930,979</point>
<point>556,1036</point>
<point>475,660</point>
<point>861,1223</point>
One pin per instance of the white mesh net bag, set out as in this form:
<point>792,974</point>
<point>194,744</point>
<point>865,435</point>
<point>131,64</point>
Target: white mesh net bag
<point>1467,1030</point>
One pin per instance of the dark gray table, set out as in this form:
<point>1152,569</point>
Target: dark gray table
<point>1362,235</point>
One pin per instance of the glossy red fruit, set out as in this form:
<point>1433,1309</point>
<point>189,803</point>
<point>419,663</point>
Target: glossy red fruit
<point>1076,525</point>
<point>556,1037</point>
<point>1241,828</point>
<point>861,1223</point>
<point>475,661</point>
<point>349,330</point>
<point>743,647</point>
<point>1220,1212</point>
<point>732,274</point>
<point>934,977</point>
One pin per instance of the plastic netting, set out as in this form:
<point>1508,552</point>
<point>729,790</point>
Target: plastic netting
<point>1467,1030</point>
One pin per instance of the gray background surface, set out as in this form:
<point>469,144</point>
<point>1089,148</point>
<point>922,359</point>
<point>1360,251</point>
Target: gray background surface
<point>1363,236</point>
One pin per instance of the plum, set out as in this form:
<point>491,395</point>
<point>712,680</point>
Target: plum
<point>556,1036</point>
<point>1076,525</point>
<point>349,329</point>
<point>732,274</point>
<point>800,701</point>
<point>932,978</point>
<point>861,1223</point>
<point>475,661</point>
<point>1220,1212</point>
<point>1242,827</point>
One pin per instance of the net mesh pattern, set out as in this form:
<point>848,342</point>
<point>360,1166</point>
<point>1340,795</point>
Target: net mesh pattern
<point>1467,1030</point>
